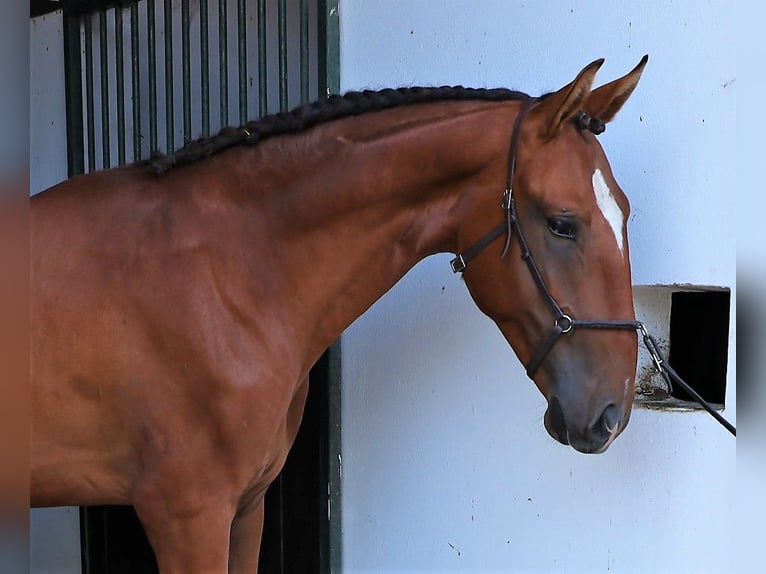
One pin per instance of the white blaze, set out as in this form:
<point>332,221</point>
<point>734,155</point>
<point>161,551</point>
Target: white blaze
<point>608,206</point>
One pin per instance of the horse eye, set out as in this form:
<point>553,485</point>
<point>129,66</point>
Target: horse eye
<point>562,227</point>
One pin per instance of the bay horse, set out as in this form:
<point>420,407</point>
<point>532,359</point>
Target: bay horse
<point>178,304</point>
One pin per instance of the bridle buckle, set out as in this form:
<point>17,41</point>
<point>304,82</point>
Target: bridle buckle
<point>506,203</point>
<point>457,264</point>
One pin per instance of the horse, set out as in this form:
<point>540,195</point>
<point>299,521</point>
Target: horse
<point>178,303</point>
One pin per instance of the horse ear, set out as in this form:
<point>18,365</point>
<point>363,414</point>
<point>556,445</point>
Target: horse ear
<point>559,107</point>
<point>604,102</point>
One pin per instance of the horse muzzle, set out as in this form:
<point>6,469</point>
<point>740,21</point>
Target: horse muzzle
<point>592,437</point>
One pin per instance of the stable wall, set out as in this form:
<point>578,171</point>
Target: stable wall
<point>446,464</point>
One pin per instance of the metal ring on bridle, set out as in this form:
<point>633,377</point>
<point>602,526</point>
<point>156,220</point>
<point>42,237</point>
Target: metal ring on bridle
<point>569,323</point>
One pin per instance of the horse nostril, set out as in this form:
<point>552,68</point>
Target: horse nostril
<point>610,418</point>
<point>556,420</point>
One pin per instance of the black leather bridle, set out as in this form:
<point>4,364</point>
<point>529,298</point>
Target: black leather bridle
<point>564,323</point>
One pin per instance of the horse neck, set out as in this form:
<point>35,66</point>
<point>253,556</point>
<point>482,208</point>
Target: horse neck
<point>358,202</point>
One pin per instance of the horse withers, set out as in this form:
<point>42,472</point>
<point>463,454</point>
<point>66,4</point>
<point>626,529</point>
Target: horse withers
<point>178,304</point>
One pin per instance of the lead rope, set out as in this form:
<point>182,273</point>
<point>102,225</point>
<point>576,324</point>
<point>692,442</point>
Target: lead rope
<point>669,372</point>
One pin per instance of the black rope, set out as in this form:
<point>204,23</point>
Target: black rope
<point>669,373</point>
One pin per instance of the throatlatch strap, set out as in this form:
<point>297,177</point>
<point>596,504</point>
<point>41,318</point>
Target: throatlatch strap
<point>459,263</point>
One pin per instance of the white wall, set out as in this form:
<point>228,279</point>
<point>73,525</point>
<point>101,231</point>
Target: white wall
<point>446,464</point>
<point>47,122</point>
<point>54,533</point>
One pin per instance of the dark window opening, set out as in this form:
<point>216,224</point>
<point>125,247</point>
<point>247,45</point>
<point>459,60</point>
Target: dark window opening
<point>699,342</point>
<point>114,542</point>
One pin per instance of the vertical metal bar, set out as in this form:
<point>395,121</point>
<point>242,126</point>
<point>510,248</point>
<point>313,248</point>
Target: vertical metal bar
<point>223,59</point>
<point>106,160</point>
<point>120,73</point>
<point>169,127</point>
<point>330,532</point>
<point>73,87</point>
<point>92,536</point>
<point>89,105</point>
<point>204,66</point>
<point>262,76</point>
<point>135,81</point>
<point>242,57</point>
<point>185,50</point>
<point>304,51</point>
<point>282,39</point>
<point>152,38</point>
<point>328,78</point>
<point>328,57</point>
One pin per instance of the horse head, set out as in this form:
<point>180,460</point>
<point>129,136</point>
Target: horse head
<point>561,292</point>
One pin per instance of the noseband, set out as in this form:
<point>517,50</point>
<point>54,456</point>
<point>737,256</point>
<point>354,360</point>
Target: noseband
<point>563,323</point>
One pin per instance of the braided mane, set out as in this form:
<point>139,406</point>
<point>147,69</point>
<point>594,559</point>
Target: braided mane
<point>309,115</point>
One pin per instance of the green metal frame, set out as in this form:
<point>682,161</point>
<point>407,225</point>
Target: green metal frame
<point>329,63</point>
<point>329,74</point>
<point>73,89</point>
<point>334,537</point>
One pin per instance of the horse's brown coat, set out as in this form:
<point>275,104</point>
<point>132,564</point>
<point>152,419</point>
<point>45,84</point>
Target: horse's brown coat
<point>175,318</point>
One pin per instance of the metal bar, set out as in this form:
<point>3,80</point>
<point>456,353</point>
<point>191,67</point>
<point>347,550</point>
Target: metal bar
<point>242,45</point>
<point>169,127</point>
<point>106,160</point>
<point>120,76</point>
<point>304,51</point>
<point>186,68</point>
<point>73,86</point>
<point>330,532</point>
<point>152,38</point>
<point>185,50</point>
<point>262,69</point>
<point>135,82</point>
<point>89,111</point>
<point>328,57</point>
<point>328,79</point>
<point>223,60</point>
<point>92,529</point>
<point>282,39</point>
<point>204,66</point>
